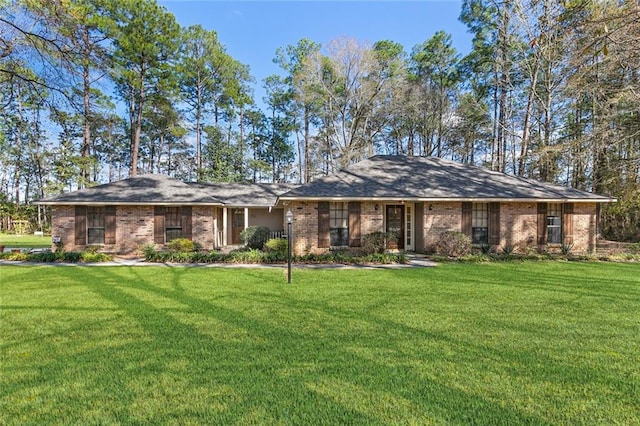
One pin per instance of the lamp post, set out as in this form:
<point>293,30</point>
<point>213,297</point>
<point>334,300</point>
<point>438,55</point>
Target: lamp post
<point>289,217</point>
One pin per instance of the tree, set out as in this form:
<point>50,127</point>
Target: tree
<point>292,59</point>
<point>279,125</point>
<point>200,74</point>
<point>350,86</point>
<point>434,69</point>
<point>145,42</point>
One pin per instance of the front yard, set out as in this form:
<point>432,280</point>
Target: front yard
<point>495,343</point>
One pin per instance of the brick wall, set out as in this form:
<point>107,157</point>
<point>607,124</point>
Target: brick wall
<point>305,224</point>
<point>305,227</point>
<point>134,228</point>
<point>519,226</point>
<point>371,220</point>
<point>202,226</point>
<point>63,223</point>
<point>584,227</point>
<point>440,218</point>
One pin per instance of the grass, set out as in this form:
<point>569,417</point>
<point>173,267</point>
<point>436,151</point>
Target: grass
<point>25,241</point>
<point>498,343</point>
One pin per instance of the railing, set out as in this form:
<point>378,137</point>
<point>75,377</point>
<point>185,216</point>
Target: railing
<point>277,234</point>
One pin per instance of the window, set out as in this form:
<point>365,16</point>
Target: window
<point>95,225</point>
<point>480,223</point>
<point>339,224</point>
<point>554,223</point>
<point>173,223</point>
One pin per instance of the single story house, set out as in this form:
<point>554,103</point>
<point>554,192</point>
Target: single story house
<point>123,216</point>
<point>416,198</point>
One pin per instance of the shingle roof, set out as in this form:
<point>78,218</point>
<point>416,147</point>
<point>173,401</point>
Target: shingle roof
<point>245,194</point>
<point>428,178</point>
<point>163,190</point>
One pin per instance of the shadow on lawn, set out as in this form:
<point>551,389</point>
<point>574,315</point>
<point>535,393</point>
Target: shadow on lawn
<point>272,374</point>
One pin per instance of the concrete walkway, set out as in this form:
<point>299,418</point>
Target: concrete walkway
<point>415,261</point>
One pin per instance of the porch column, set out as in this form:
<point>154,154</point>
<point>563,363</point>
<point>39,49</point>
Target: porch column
<point>246,217</point>
<point>216,243</point>
<point>224,226</point>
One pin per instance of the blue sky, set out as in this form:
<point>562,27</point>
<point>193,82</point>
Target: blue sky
<point>251,31</point>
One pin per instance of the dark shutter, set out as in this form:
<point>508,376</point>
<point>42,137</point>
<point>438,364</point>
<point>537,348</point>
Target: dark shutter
<point>567,223</point>
<point>81,226</point>
<point>542,224</point>
<point>323,224</point>
<point>186,222</point>
<point>110,224</point>
<point>354,224</point>
<point>494,224</point>
<point>158,225</point>
<point>467,209</point>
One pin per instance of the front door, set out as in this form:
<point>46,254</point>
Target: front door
<point>237,225</point>
<point>395,225</point>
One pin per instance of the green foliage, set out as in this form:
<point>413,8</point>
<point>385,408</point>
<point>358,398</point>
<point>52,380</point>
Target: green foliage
<point>149,251</point>
<point>92,249</point>
<point>58,256</point>
<point>453,244</point>
<point>566,248</point>
<point>246,256</point>
<point>276,245</point>
<point>281,351</point>
<point>621,220</point>
<point>486,248</point>
<point>181,245</point>
<point>507,250</point>
<point>95,257</point>
<point>255,236</point>
<point>377,242</point>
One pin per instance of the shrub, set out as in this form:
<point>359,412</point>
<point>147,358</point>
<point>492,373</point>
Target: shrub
<point>254,237</point>
<point>566,248</point>
<point>181,245</point>
<point>71,256</point>
<point>45,256</point>
<point>507,250</point>
<point>486,249</point>
<point>149,252</point>
<point>246,256</point>
<point>92,249</point>
<point>453,244</point>
<point>377,242</point>
<point>276,245</point>
<point>95,257</point>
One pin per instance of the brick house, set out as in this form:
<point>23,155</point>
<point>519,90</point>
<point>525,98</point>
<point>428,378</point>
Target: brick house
<point>416,198</point>
<point>122,216</point>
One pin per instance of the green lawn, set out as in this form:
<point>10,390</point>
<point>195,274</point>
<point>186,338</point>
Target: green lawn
<point>25,241</point>
<point>499,343</point>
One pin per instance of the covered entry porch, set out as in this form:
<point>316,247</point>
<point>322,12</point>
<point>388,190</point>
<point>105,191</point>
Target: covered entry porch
<point>229,222</point>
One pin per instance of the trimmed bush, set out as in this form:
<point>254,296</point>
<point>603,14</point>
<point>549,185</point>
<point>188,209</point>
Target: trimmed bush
<point>276,245</point>
<point>181,245</point>
<point>254,237</point>
<point>453,244</point>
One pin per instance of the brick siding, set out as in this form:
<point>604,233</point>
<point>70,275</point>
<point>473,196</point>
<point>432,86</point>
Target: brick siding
<point>584,227</point>
<point>518,225</point>
<point>202,225</point>
<point>438,218</point>
<point>63,222</point>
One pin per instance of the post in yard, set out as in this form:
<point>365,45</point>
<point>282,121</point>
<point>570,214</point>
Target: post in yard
<point>289,217</point>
